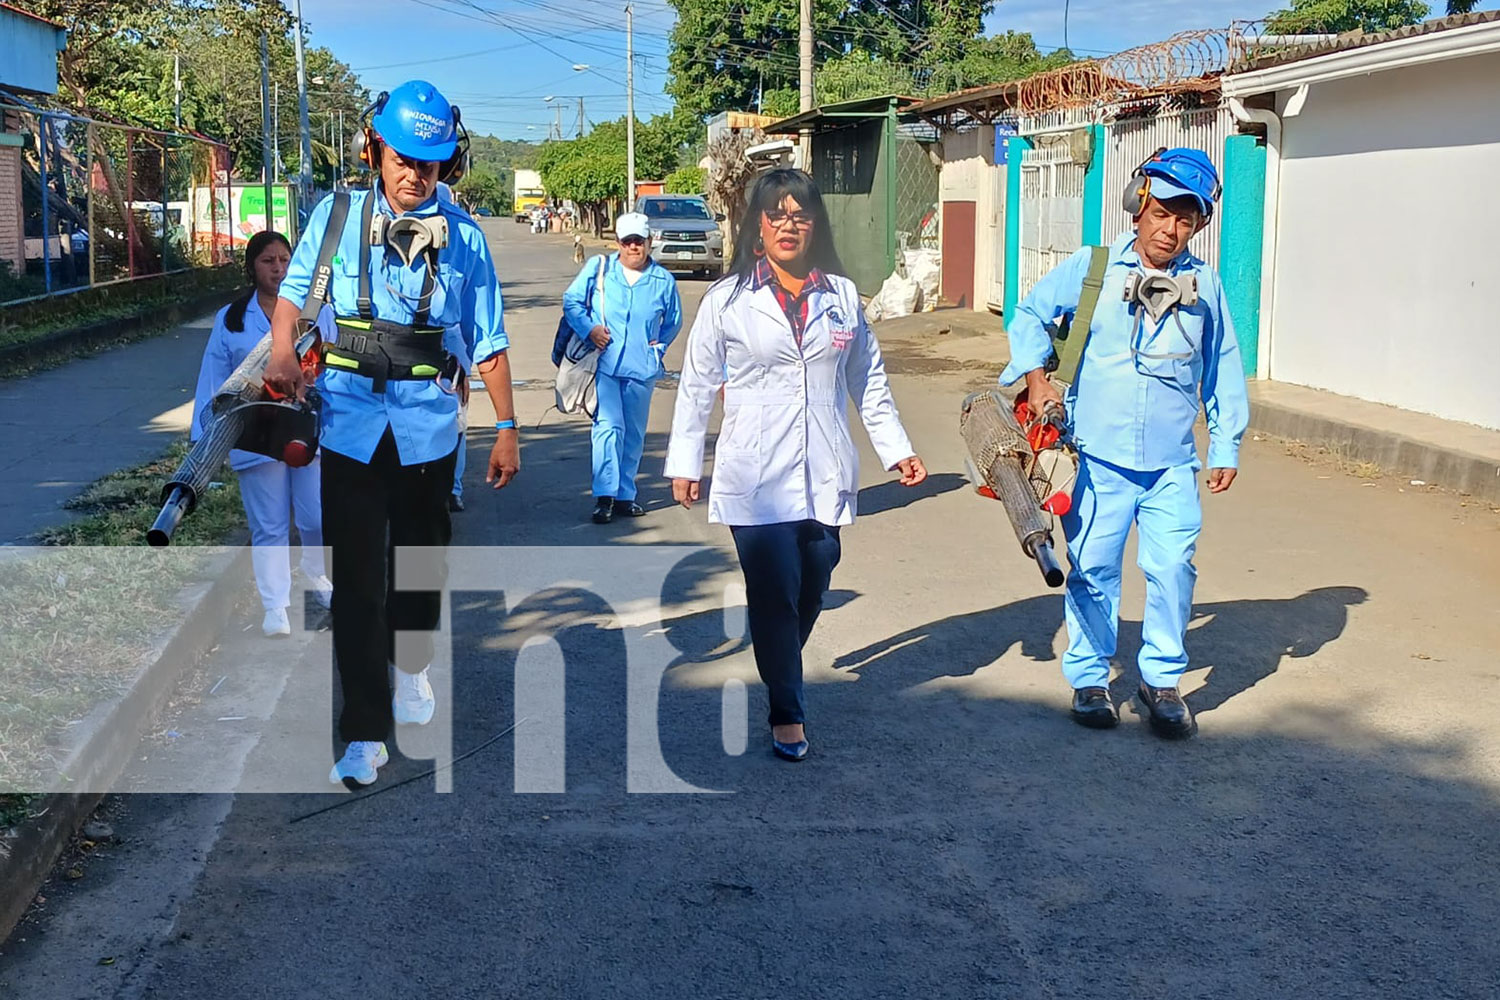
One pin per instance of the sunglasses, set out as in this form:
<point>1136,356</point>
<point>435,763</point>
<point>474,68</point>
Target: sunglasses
<point>633,241</point>
<point>799,220</point>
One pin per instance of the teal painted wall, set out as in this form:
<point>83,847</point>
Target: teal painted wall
<point>1241,238</point>
<point>1093,192</point>
<point>1013,223</point>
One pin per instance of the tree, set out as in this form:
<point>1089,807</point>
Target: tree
<point>1461,6</point>
<point>733,54</point>
<point>687,180</point>
<point>1336,16</point>
<point>482,189</point>
<point>591,171</point>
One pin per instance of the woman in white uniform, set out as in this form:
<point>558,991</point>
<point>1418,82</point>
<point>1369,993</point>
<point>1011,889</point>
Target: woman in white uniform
<point>272,491</point>
<point>785,335</point>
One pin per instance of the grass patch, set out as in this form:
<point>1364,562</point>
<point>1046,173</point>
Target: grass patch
<point>81,619</point>
<point>119,508</point>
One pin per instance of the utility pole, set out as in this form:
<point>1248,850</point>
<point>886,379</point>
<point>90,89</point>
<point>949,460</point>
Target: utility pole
<point>630,108</point>
<point>265,126</point>
<point>177,89</point>
<point>805,47</point>
<point>276,128</point>
<point>580,118</point>
<point>304,181</point>
<point>341,144</point>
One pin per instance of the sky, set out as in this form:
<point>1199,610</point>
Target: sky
<point>499,60</point>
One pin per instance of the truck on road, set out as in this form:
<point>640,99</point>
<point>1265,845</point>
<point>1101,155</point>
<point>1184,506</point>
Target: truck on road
<point>685,233</point>
<point>529,193</point>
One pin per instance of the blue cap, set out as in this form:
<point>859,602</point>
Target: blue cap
<point>1184,173</point>
<point>418,122</point>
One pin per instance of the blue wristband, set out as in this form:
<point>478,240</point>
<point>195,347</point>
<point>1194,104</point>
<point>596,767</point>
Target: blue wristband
<point>505,425</point>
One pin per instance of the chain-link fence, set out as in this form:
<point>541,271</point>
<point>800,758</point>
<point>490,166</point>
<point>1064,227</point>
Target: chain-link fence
<point>917,217</point>
<point>86,203</point>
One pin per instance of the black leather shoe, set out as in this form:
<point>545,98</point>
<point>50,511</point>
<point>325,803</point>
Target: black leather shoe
<point>455,502</point>
<point>1092,708</point>
<point>604,510</point>
<point>629,508</point>
<point>1170,716</point>
<point>793,752</point>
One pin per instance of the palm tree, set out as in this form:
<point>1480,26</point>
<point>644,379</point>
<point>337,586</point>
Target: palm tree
<point>1461,6</point>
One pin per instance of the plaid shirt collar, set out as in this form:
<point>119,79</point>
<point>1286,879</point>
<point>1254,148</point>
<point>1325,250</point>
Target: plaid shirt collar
<point>794,306</point>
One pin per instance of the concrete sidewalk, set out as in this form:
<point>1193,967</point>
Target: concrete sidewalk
<point>62,429</point>
<point>1395,442</point>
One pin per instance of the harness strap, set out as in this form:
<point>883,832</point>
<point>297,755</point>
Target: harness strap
<point>429,284</point>
<point>1069,345</point>
<point>322,282</point>
<point>383,351</point>
<point>365,311</point>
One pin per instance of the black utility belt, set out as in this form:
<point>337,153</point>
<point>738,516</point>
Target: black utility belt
<point>383,351</point>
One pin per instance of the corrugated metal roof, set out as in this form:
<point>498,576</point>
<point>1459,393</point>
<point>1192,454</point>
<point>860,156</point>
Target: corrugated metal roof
<point>1357,40</point>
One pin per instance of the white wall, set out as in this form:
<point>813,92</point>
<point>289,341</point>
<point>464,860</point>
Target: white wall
<point>965,176</point>
<point>1389,257</point>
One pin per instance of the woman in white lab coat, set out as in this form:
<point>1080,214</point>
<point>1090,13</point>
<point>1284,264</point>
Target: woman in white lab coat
<point>271,491</point>
<point>784,334</point>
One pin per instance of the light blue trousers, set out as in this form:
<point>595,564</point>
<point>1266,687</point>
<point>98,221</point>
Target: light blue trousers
<point>619,434</point>
<point>460,465</point>
<point>1107,500</point>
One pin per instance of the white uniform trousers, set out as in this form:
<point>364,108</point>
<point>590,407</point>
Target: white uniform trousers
<point>273,493</point>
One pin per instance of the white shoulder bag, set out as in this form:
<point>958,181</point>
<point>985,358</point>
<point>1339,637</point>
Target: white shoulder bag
<point>575,389</point>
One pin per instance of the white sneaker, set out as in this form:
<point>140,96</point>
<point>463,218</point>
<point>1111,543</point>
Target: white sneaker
<point>413,703</point>
<point>322,591</point>
<point>275,625</point>
<point>358,765</point>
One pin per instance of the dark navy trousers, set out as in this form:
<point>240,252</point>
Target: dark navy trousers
<point>787,569</point>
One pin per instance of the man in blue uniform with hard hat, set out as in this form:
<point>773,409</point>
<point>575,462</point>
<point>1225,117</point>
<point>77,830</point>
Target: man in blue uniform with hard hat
<point>417,305</point>
<point>1145,336</point>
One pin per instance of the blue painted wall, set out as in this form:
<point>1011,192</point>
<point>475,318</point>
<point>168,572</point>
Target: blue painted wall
<point>1241,238</point>
<point>1013,222</point>
<point>28,52</point>
<point>1093,191</point>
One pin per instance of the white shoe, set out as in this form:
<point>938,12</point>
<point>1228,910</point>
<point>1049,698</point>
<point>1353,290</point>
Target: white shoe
<point>413,703</point>
<point>322,591</point>
<point>358,765</point>
<point>275,625</point>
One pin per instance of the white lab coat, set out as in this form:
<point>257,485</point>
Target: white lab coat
<point>784,452</point>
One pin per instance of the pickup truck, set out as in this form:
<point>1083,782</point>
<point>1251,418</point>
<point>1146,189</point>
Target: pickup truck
<point>685,234</point>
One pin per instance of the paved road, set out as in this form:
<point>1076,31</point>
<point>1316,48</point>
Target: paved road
<point>62,429</point>
<point>1329,834</point>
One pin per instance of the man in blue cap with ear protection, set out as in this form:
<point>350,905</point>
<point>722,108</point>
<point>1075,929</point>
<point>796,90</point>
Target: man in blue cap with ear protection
<point>1148,335</point>
<point>417,305</point>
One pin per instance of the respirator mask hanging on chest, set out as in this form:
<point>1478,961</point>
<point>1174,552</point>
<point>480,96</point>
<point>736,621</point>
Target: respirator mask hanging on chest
<point>1157,293</point>
<point>411,237</point>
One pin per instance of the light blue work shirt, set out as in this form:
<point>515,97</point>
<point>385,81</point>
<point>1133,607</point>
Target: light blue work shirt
<point>635,315</point>
<point>422,416</point>
<point>1135,398</point>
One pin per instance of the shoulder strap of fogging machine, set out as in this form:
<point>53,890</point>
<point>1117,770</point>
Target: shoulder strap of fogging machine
<point>323,272</point>
<point>1070,350</point>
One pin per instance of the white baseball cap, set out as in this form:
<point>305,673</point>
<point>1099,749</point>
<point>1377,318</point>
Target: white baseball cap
<point>632,224</point>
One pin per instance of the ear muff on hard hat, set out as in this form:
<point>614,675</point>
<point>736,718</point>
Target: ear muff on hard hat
<point>1181,170</point>
<point>416,121</point>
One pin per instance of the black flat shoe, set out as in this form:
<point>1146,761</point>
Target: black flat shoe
<point>1170,717</point>
<point>1092,708</point>
<point>629,508</point>
<point>793,752</point>
<point>455,503</point>
<point>604,510</point>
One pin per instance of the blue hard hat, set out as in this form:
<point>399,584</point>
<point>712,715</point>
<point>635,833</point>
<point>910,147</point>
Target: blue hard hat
<point>1183,173</point>
<point>418,122</point>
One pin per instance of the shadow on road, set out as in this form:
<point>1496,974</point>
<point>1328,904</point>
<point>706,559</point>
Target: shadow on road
<point>892,495</point>
<point>1244,642</point>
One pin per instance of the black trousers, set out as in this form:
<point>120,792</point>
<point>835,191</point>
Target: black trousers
<point>787,570</point>
<point>368,510</point>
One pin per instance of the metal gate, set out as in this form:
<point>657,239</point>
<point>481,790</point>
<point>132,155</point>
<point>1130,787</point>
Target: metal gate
<point>1130,139</point>
<point>1051,208</point>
